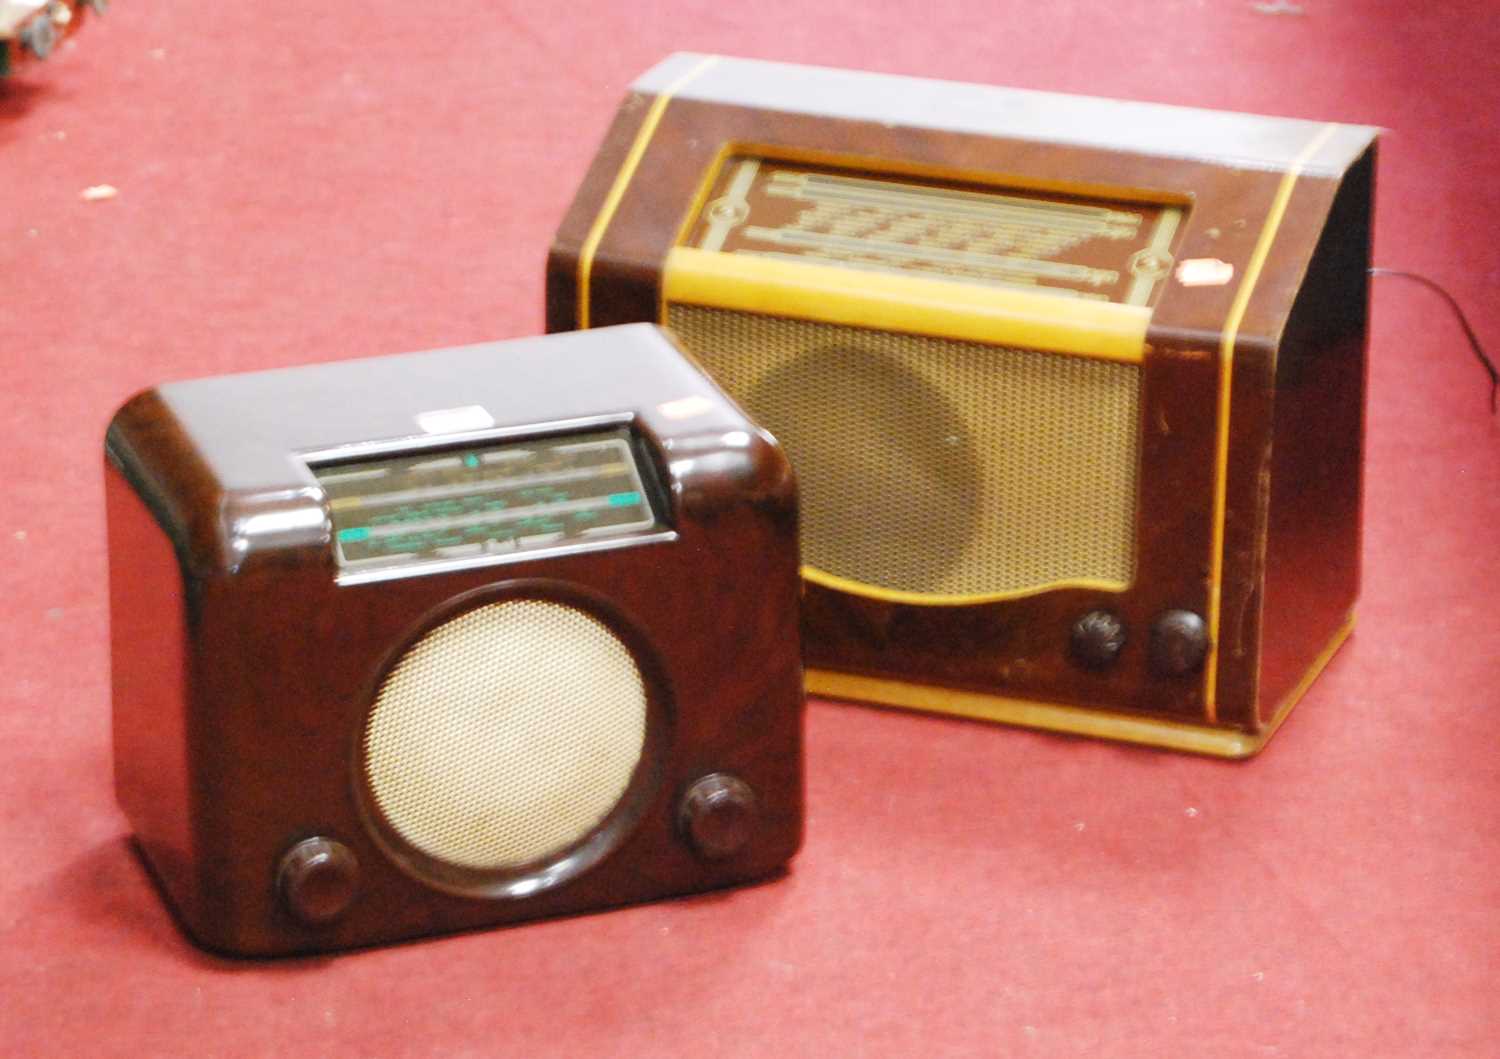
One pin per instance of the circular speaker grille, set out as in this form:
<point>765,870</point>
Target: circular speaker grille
<point>506,735</point>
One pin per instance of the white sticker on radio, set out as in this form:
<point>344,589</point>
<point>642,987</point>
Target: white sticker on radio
<point>686,407</point>
<point>1204,272</point>
<point>454,420</point>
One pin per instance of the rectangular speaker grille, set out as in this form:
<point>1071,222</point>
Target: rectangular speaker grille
<point>933,466</point>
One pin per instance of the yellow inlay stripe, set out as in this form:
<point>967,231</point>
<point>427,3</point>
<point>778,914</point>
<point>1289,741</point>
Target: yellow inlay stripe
<point>936,599</point>
<point>912,305</point>
<point>1226,382</point>
<point>1319,663</point>
<point>622,181</point>
<point>1073,720</point>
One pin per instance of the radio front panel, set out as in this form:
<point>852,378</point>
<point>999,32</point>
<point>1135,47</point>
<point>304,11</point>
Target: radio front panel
<point>1031,355</point>
<point>451,640</point>
<point>935,469</point>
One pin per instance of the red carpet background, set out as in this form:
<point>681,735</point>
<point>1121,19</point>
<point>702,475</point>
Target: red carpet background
<point>305,182</point>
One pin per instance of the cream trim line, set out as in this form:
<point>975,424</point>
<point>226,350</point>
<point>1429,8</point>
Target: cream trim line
<point>1226,383</point>
<point>908,304</point>
<point>622,181</point>
<point>1157,732</point>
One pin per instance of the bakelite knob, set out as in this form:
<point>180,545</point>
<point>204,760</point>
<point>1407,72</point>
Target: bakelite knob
<point>718,815</point>
<point>1179,640</point>
<point>317,880</point>
<point>1097,639</point>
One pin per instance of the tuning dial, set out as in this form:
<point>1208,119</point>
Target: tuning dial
<point>718,815</point>
<point>317,880</point>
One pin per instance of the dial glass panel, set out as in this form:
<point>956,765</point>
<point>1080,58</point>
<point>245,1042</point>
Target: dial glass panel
<point>487,500</point>
<point>1046,242</point>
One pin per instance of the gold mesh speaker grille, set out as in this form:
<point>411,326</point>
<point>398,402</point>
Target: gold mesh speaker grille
<point>506,734</point>
<point>934,466</point>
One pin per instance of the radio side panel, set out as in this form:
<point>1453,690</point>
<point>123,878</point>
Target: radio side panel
<point>1316,465</point>
<point>1249,428</point>
<point>150,683</point>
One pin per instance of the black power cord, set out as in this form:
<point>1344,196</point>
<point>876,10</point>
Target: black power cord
<point>1463,321</point>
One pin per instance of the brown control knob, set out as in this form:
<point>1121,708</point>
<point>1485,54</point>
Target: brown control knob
<point>718,815</point>
<point>1097,639</point>
<point>317,880</point>
<point>1179,640</point>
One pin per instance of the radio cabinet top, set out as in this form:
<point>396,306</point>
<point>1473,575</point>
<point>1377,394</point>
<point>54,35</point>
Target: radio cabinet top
<point>229,463</point>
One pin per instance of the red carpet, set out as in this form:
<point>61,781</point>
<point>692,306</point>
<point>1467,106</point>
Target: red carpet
<point>303,182</point>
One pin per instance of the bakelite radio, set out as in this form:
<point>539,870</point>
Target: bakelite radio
<point>429,642</point>
<point>1073,387</point>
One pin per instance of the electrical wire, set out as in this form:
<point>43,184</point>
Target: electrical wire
<point>1463,321</point>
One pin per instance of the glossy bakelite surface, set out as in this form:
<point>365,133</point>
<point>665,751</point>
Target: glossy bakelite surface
<point>246,743</point>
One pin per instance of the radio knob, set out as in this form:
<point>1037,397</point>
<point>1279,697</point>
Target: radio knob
<point>1179,640</point>
<point>718,815</point>
<point>317,880</point>
<point>1097,639</point>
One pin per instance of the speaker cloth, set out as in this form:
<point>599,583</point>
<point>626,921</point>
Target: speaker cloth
<point>506,734</point>
<point>934,466</point>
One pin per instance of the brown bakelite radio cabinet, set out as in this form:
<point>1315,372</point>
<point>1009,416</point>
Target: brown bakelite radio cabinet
<point>421,643</point>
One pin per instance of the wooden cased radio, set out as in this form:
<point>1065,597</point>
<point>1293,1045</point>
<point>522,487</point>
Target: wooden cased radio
<point>1073,387</point>
<point>429,642</point>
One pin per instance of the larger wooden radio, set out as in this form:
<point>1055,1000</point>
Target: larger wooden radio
<point>428,642</point>
<point>1074,387</point>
